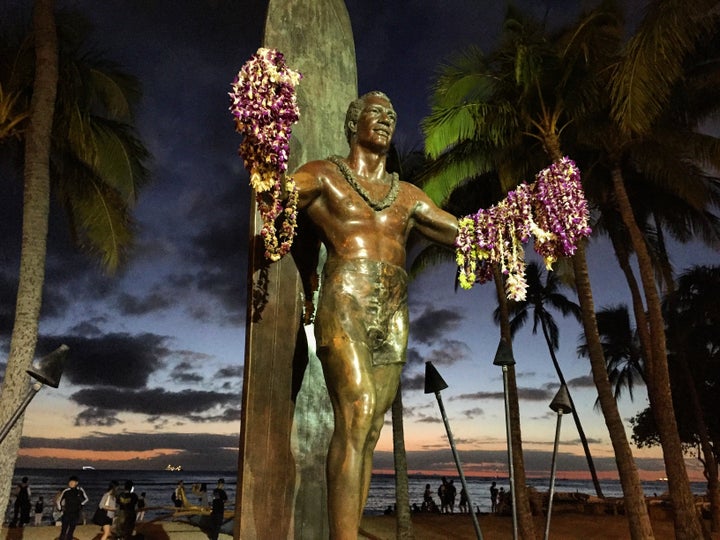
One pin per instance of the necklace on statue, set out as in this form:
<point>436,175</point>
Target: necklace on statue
<point>349,175</point>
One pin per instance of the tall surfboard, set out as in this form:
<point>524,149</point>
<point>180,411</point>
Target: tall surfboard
<point>286,414</point>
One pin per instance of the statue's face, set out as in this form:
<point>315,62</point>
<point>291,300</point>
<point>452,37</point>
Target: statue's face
<point>376,123</point>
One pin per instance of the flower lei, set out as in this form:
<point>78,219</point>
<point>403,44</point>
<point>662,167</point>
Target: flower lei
<point>552,210</point>
<point>264,107</point>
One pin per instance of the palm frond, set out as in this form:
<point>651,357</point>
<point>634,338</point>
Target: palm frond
<point>430,255</point>
<point>653,61</point>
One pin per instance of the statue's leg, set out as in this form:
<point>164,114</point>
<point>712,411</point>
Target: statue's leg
<point>350,383</point>
<point>386,382</point>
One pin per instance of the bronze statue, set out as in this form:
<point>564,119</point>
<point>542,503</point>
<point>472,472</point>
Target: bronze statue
<point>363,215</point>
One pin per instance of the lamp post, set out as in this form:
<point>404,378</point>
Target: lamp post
<point>434,383</point>
<point>48,371</point>
<point>561,405</point>
<point>504,358</point>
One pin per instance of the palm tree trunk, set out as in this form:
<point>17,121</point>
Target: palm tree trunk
<point>526,525</point>
<point>404,529</point>
<point>576,417</point>
<point>709,462</point>
<point>687,522</point>
<point>634,498</point>
<point>34,236</point>
<point>641,323</point>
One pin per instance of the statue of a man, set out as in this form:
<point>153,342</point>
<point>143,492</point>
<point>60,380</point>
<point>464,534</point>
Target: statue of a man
<point>363,215</point>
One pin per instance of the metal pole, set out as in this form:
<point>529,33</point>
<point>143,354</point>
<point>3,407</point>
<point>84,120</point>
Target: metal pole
<point>34,389</point>
<point>561,404</point>
<point>552,474</point>
<point>478,533</point>
<point>511,467</point>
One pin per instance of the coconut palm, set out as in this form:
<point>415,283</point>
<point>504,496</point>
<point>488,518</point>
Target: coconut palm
<point>540,296</point>
<point>79,139</point>
<point>621,345</point>
<point>643,83</point>
<point>506,111</point>
<point>693,318</point>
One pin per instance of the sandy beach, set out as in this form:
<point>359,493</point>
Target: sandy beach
<point>565,526</point>
<point>165,530</point>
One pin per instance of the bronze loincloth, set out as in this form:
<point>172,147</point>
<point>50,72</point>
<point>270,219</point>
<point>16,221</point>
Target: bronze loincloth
<point>364,301</point>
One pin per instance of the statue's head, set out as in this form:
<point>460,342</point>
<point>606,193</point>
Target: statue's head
<point>356,107</point>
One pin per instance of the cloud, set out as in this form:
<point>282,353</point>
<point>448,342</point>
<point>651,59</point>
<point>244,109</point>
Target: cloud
<point>586,381</point>
<point>121,360</point>
<point>527,394</point>
<point>97,417</point>
<point>473,413</point>
<point>449,352</point>
<point>413,382</point>
<point>155,401</point>
<point>432,324</point>
<point>135,305</point>
<point>230,372</point>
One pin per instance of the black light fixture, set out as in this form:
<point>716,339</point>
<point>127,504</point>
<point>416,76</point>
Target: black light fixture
<point>504,355</point>
<point>47,370</point>
<point>561,405</point>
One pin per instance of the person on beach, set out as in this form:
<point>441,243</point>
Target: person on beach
<point>71,502</point>
<point>217,514</point>
<point>493,497</point>
<point>443,495</point>
<point>126,503</point>
<point>141,507</point>
<point>463,505</point>
<point>451,495</point>
<point>428,504</point>
<point>108,505</point>
<point>56,512</point>
<point>178,497</point>
<point>364,216</point>
<point>23,504</point>
<point>39,509</point>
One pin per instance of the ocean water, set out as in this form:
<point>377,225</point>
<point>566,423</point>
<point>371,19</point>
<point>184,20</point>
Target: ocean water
<point>158,486</point>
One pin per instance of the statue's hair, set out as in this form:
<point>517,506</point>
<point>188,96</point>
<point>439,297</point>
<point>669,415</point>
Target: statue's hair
<point>355,108</point>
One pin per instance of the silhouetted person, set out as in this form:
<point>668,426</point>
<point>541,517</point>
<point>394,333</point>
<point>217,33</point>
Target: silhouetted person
<point>141,507</point>
<point>443,495</point>
<point>178,497</point>
<point>71,502</point>
<point>463,506</point>
<point>217,514</point>
<point>126,504</point>
<point>451,493</point>
<point>23,504</point>
<point>493,497</point>
<point>39,509</point>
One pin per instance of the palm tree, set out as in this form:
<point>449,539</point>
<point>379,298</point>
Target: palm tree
<point>640,102</point>
<point>35,226</point>
<point>540,296</point>
<point>623,353</point>
<point>485,111</point>
<point>78,137</point>
<point>693,320</point>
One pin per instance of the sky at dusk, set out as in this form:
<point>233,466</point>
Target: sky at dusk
<point>155,369</point>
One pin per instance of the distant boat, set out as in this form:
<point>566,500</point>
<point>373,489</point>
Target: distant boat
<point>88,468</point>
<point>174,468</point>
